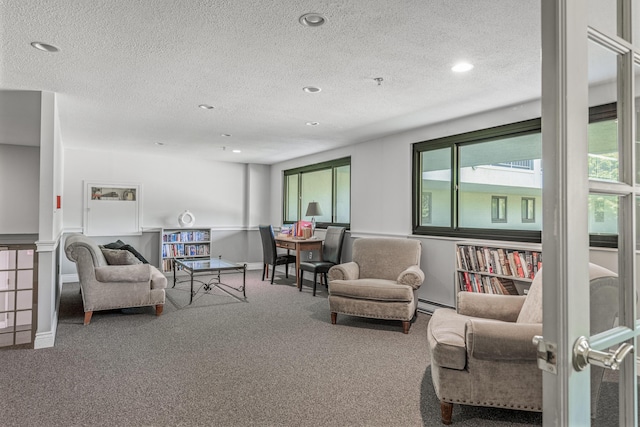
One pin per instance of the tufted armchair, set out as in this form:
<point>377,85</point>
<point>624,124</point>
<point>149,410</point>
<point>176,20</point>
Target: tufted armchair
<point>124,283</point>
<point>482,354</point>
<point>380,282</point>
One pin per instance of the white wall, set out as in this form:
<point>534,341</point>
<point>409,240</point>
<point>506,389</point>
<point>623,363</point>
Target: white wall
<point>213,191</point>
<point>19,189</point>
<point>381,193</point>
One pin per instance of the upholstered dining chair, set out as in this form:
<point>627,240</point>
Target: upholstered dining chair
<point>270,255</point>
<point>331,254</point>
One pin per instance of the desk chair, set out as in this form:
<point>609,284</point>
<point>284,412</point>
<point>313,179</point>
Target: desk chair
<point>331,254</point>
<point>270,255</point>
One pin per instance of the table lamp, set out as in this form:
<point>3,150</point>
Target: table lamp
<point>312,210</point>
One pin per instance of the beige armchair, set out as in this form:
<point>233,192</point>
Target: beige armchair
<point>380,282</point>
<point>124,283</point>
<point>483,355</point>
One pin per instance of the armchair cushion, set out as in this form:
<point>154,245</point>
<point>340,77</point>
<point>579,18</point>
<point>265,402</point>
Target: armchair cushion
<point>372,289</point>
<point>495,340</point>
<point>490,306</point>
<point>446,339</point>
<point>124,273</point>
<point>532,308</point>
<point>119,257</point>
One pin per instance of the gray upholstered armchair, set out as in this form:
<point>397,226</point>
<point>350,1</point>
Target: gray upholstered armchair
<point>482,354</point>
<point>124,283</point>
<point>380,282</point>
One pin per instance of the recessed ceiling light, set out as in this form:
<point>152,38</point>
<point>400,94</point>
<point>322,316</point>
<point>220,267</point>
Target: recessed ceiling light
<point>225,134</point>
<point>312,19</point>
<point>44,47</point>
<point>206,106</point>
<point>462,67</point>
<point>311,89</point>
<point>237,151</point>
<point>160,143</point>
<point>312,123</point>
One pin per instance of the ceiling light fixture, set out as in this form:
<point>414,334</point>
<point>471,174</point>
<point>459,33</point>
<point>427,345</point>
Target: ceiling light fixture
<point>206,106</point>
<point>225,134</point>
<point>159,143</point>
<point>462,67</point>
<point>379,80</point>
<point>237,151</point>
<point>45,47</point>
<point>312,19</point>
<point>313,123</point>
<point>311,89</point>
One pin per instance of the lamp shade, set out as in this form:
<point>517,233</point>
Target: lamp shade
<point>313,209</point>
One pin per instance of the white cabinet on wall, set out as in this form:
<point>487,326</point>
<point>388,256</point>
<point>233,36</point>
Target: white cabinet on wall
<point>494,268</point>
<point>112,209</point>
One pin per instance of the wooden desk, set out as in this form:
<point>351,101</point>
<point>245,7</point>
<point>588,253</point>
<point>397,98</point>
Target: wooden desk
<point>299,245</point>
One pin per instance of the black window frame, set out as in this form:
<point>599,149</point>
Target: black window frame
<point>328,165</point>
<point>454,142</point>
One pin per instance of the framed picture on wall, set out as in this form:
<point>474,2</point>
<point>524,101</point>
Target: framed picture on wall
<point>112,209</point>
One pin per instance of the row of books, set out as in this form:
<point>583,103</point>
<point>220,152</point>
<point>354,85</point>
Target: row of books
<point>187,236</point>
<point>474,282</point>
<point>505,262</point>
<point>170,250</point>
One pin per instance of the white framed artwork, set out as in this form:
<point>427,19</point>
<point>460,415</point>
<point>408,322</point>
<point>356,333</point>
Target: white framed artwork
<point>112,209</point>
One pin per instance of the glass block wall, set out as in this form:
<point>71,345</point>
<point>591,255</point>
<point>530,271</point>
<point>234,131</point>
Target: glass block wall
<point>18,287</point>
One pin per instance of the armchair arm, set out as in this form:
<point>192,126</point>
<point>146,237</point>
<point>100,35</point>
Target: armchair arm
<point>124,273</point>
<point>490,306</point>
<point>346,271</point>
<point>495,340</point>
<point>412,276</point>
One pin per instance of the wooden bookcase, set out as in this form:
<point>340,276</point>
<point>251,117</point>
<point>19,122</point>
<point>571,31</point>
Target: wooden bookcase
<point>494,268</point>
<point>183,243</point>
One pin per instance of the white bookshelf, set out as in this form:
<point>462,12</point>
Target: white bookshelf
<point>495,267</point>
<point>183,243</point>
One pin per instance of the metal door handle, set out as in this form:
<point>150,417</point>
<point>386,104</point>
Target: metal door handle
<point>583,355</point>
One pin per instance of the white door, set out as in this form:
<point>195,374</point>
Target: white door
<point>590,56</point>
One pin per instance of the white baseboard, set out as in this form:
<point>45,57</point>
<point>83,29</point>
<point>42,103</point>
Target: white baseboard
<point>47,339</point>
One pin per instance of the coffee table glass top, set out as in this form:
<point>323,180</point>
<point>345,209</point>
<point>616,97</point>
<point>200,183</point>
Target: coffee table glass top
<point>211,264</point>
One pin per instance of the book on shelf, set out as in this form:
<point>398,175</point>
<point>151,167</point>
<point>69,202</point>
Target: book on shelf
<point>467,282</point>
<point>508,286</point>
<point>518,262</point>
<point>487,260</point>
<point>480,258</point>
<point>497,268</point>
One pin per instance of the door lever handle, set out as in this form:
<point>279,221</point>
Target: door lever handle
<point>583,355</point>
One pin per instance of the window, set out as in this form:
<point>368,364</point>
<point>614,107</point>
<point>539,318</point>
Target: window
<point>472,178</point>
<point>498,209</point>
<point>327,183</point>
<point>528,209</point>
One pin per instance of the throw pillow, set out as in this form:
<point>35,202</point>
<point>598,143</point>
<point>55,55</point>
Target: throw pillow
<point>119,244</point>
<point>119,257</point>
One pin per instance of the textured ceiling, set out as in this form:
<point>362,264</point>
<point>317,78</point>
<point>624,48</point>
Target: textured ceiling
<point>131,74</point>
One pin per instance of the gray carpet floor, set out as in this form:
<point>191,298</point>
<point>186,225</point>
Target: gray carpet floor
<point>274,360</point>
